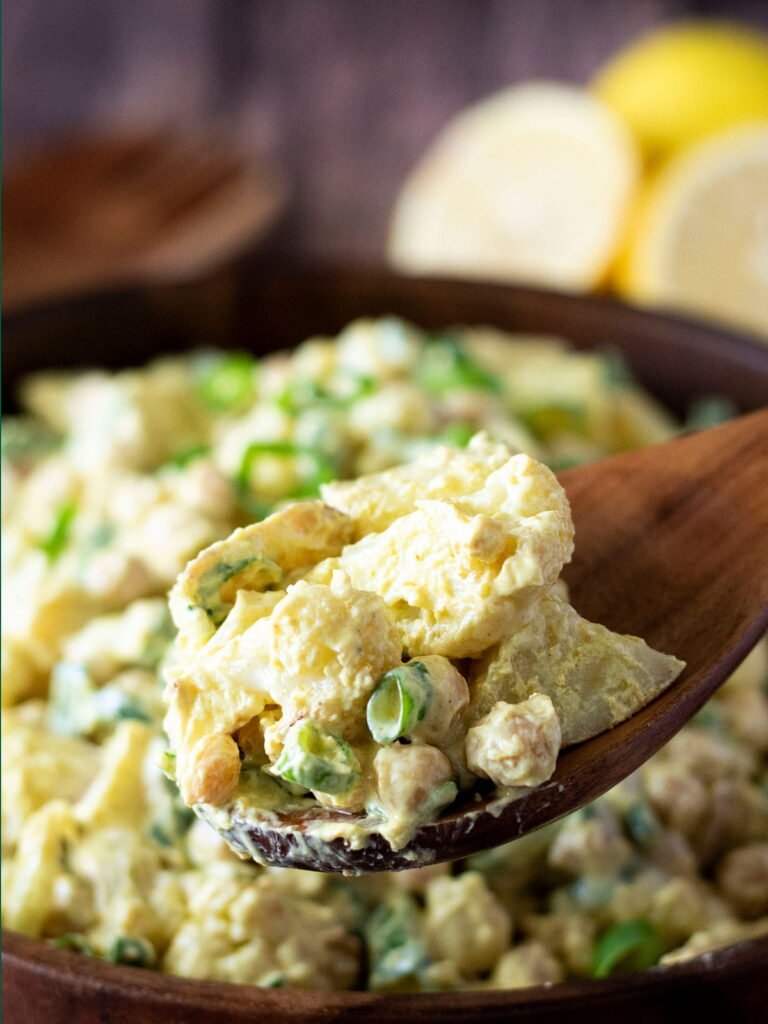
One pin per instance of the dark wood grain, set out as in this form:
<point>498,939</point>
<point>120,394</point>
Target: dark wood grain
<point>49,986</point>
<point>342,94</point>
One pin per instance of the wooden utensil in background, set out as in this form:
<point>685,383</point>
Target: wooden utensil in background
<point>98,213</point>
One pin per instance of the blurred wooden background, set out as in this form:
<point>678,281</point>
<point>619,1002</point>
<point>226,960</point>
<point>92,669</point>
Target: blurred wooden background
<point>342,95</point>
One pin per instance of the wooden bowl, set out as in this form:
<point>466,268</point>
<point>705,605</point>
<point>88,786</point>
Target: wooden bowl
<point>259,309</point>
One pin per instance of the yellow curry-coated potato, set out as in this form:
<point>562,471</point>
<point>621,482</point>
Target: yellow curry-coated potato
<point>255,558</point>
<point>329,646</point>
<point>376,500</point>
<point>594,677</point>
<point>461,573</point>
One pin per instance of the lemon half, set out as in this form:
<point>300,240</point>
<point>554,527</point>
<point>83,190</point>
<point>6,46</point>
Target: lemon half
<point>533,184</point>
<point>701,236</point>
<point>681,84</point>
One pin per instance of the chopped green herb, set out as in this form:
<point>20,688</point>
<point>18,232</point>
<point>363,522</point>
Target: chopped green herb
<point>709,411</point>
<point>132,952</point>
<point>226,382</point>
<point>58,538</point>
<point>445,365</point>
<point>629,946</point>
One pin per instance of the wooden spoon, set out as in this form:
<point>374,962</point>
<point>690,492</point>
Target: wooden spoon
<point>671,545</point>
<point>117,211</point>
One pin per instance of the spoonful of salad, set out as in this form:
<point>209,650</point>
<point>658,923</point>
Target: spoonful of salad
<point>398,674</point>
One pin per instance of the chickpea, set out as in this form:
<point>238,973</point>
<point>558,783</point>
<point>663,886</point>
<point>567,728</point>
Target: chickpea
<point>409,778</point>
<point>465,923</point>
<point>515,744</point>
<point>590,842</point>
<point>449,697</point>
<point>530,963</point>
<point>681,800</point>
<point>213,771</point>
<point>743,879</point>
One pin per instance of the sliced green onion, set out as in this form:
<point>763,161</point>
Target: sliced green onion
<point>317,760</point>
<point>185,457</point>
<point>74,942</point>
<point>458,434</point>
<point>546,421</point>
<point>592,892</point>
<point>615,370</point>
<point>399,702</point>
<point>210,583</point>
<point>709,412</point>
<point>159,835</point>
<point>559,463</point>
<point>396,947</point>
<point>322,472</point>
<point>226,382</point>
<point>299,394</point>
<point>629,946</point>
<point>24,440</point>
<point>70,705</point>
<point>445,365</point>
<point>273,980</point>
<point>641,823</point>
<point>305,393</point>
<point>710,718</point>
<point>58,538</point>
<point>157,643</point>
<point>132,952</point>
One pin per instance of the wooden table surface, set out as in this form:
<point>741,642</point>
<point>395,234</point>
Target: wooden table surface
<point>342,94</point>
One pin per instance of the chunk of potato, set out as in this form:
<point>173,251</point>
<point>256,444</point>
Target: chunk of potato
<point>595,678</point>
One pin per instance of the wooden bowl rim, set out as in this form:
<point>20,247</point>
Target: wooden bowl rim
<point>87,974</point>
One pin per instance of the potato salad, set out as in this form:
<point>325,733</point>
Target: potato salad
<point>362,545</point>
<point>381,649</point>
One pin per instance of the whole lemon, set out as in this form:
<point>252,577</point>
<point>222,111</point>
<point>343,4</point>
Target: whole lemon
<point>687,81</point>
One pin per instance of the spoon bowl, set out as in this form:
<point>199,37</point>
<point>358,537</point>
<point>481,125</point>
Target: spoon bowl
<point>671,545</point>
